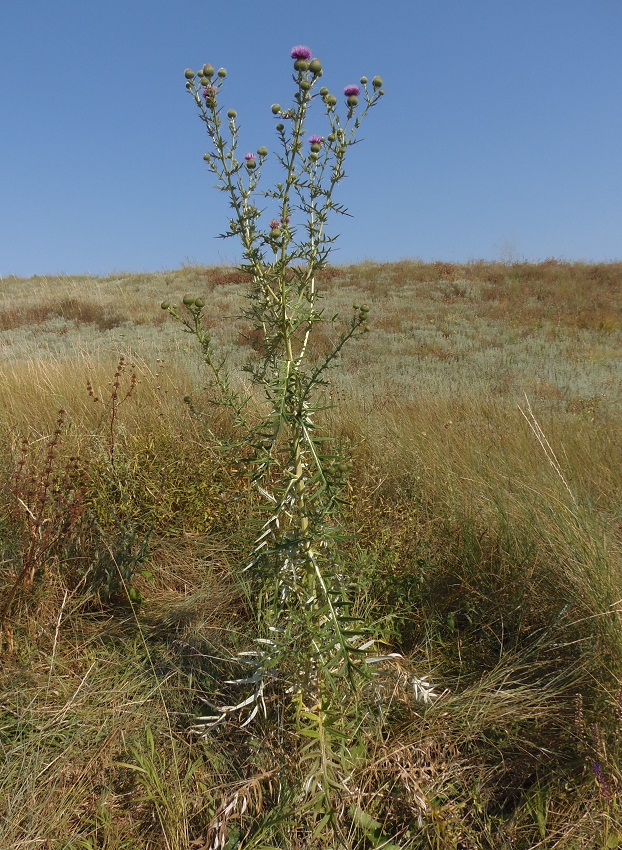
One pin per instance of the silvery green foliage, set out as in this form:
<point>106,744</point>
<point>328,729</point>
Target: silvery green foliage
<point>309,645</point>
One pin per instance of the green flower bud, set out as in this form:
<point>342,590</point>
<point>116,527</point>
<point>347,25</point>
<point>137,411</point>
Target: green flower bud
<point>189,74</point>
<point>352,101</point>
<point>331,137</point>
<point>165,305</point>
<point>365,308</point>
<point>222,73</point>
<point>208,71</point>
<point>199,302</point>
<point>323,91</point>
<point>232,114</point>
<point>377,82</point>
<point>276,109</point>
<point>206,157</point>
<point>204,81</point>
<point>313,156</point>
<point>355,306</point>
<point>363,81</point>
<point>188,300</point>
<point>331,100</point>
<point>262,151</point>
<point>251,164</point>
<point>280,128</point>
<point>315,66</point>
<point>301,65</point>
<point>316,148</point>
<point>187,399</point>
<point>305,85</point>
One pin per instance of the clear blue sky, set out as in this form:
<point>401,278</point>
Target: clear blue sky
<point>500,135</point>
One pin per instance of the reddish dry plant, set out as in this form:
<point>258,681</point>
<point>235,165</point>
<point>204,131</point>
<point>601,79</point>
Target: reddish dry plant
<point>48,509</point>
<point>116,399</point>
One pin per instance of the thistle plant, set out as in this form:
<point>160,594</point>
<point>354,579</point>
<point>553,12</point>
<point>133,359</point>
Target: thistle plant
<point>309,644</point>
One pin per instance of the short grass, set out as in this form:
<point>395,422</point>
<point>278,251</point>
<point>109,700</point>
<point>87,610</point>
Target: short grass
<point>487,551</point>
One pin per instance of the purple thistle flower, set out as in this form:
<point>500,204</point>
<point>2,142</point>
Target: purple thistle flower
<point>249,157</point>
<point>275,224</point>
<point>209,92</point>
<point>285,221</point>
<point>301,51</point>
<point>350,91</point>
<point>315,140</point>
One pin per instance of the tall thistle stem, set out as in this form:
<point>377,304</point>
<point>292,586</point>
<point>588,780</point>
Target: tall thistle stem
<point>300,474</point>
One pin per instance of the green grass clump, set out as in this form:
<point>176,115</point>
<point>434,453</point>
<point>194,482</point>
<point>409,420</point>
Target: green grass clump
<point>489,560</point>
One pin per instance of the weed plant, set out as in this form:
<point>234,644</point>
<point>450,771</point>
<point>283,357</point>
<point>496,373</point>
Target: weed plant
<point>309,645</point>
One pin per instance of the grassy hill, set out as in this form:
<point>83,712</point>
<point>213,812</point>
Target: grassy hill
<point>483,531</point>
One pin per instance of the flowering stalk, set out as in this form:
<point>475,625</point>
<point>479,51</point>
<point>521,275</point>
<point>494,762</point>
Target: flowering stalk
<point>309,633</point>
